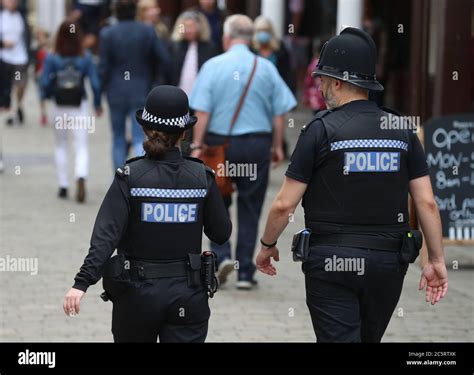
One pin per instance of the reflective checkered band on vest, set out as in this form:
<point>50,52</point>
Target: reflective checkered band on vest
<point>369,143</point>
<point>168,193</point>
<point>178,121</point>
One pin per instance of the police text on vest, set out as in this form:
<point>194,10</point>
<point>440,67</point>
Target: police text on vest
<point>169,212</point>
<point>372,161</point>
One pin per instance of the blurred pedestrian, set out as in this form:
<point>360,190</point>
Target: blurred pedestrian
<point>40,54</point>
<point>62,80</point>
<point>90,14</point>
<point>304,18</point>
<point>130,53</point>
<point>312,96</point>
<point>5,93</point>
<point>14,53</point>
<point>190,49</point>
<point>267,45</point>
<point>216,18</point>
<point>376,28</point>
<point>5,83</point>
<point>149,11</point>
<point>245,121</point>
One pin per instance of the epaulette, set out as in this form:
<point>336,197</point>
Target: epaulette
<point>134,159</point>
<point>320,115</point>
<point>389,110</point>
<point>121,172</point>
<point>208,169</point>
<point>194,159</point>
<point>125,170</point>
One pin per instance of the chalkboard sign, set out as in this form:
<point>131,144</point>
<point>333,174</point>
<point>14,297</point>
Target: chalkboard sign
<point>449,146</point>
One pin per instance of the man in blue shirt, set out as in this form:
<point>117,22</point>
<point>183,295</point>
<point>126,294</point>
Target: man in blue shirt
<point>256,137</point>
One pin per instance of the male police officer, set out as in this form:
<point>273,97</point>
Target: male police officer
<point>154,214</point>
<point>354,176</point>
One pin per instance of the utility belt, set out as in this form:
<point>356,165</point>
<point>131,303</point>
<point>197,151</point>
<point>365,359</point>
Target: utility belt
<point>408,247</point>
<point>355,240</point>
<point>121,273</point>
<point>142,270</point>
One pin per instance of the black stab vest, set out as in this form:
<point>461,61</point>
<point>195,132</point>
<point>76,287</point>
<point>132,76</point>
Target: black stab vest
<point>166,208</point>
<point>362,185</point>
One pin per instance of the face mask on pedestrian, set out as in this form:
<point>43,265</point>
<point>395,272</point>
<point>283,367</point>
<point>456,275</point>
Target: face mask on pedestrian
<point>263,37</point>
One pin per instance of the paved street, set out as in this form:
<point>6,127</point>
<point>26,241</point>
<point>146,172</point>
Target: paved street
<point>35,224</point>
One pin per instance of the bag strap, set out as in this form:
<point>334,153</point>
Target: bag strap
<point>242,99</point>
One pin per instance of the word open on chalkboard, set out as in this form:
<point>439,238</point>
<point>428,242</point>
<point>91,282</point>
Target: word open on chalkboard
<point>449,146</point>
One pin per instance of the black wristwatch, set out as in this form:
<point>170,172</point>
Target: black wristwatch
<point>268,246</point>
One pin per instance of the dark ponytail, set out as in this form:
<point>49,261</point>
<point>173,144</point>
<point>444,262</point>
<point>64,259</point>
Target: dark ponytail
<point>159,143</point>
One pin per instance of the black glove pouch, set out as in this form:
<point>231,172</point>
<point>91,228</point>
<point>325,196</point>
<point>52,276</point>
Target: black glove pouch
<point>116,278</point>
<point>194,270</point>
<point>411,245</point>
<point>300,245</point>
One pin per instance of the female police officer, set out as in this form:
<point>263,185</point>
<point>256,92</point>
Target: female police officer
<point>153,214</point>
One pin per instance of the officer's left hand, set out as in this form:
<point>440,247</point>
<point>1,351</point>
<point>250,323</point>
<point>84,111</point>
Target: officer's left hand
<point>263,261</point>
<point>435,278</point>
<point>72,301</point>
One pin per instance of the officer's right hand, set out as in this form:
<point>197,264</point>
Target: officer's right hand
<point>435,278</point>
<point>264,263</point>
<point>72,301</point>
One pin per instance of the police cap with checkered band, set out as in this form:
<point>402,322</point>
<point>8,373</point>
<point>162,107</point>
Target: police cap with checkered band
<point>166,110</point>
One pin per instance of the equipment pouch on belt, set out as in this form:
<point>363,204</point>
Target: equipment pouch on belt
<point>202,271</point>
<point>194,270</point>
<point>116,279</point>
<point>209,269</point>
<point>411,245</point>
<point>300,245</point>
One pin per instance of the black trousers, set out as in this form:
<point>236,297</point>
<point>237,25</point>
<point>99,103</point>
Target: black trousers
<point>161,308</point>
<point>351,293</point>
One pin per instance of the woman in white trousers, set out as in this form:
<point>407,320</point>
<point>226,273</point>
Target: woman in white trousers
<point>62,79</point>
<point>79,133</point>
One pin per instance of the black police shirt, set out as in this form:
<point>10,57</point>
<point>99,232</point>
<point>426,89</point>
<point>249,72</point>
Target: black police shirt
<point>313,141</point>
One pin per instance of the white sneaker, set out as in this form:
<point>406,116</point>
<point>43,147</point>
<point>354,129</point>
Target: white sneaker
<point>224,270</point>
<point>246,285</point>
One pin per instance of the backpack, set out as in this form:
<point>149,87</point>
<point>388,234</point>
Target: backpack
<point>69,85</point>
